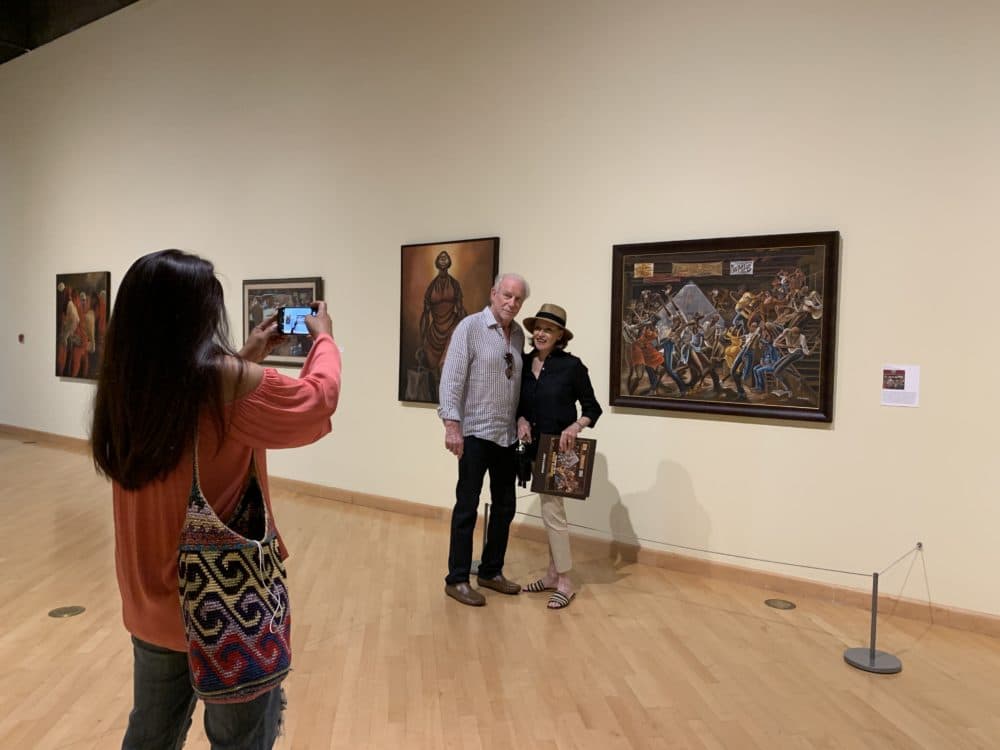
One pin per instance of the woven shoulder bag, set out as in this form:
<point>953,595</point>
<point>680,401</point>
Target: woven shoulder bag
<point>233,597</point>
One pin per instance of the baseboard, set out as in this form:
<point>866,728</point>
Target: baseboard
<point>391,504</point>
<point>922,611</point>
<point>72,444</point>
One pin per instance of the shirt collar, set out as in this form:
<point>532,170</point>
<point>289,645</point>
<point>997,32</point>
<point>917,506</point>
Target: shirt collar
<point>491,322</point>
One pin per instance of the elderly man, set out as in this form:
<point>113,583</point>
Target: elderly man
<point>479,390</point>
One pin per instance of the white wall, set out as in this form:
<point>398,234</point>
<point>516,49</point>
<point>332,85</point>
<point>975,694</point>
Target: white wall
<point>308,138</point>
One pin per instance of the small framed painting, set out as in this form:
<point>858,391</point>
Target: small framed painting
<point>263,297</point>
<point>81,323</point>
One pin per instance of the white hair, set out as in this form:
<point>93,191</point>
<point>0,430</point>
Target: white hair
<point>517,277</point>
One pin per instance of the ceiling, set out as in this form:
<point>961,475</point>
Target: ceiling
<point>28,24</point>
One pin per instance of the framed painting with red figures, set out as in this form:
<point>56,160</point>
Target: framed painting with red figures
<point>737,325</point>
<point>82,309</point>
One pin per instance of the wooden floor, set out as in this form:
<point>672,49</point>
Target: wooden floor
<point>644,657</point>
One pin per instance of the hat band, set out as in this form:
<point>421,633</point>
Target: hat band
<point>561,322</point>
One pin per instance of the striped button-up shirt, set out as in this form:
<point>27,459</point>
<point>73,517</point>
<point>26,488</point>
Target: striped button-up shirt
<point>474,388</point>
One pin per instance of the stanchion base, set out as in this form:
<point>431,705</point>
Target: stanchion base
<point>882,664</point>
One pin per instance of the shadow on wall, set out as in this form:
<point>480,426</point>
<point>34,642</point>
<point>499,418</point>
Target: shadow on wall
<point>623,549</point>
<point>669,506</point>
<point>624,541</point>
<point>678,517</point>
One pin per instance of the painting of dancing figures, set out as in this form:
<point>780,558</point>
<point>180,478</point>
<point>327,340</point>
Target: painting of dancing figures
<point>739,325</point>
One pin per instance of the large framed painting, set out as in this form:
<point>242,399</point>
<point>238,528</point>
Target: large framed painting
<point>736,325</point>
<point>81,323</point>
<point>264,297</point>
<point>441,283</point>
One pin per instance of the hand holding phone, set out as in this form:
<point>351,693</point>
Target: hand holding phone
<point>262,339</point>
<point>292,319</point>
<point>319,322</point>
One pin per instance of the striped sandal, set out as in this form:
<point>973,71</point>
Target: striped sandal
<point>559,600</point>
<point>538,586</point>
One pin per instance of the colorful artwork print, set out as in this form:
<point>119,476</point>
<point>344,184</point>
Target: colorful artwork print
<point>565,473</point>
<point>734,326</point>
<point>441,283</point>
<point>263,298</point>
<point>81,323</point>
<point>894,380</point>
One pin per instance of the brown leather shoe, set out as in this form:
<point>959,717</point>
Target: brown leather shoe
<point>501,584</point>
<point>464,593</point>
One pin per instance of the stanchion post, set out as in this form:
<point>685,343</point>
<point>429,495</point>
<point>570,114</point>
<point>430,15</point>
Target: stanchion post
<point>869,659</point>
<point>871,640</point>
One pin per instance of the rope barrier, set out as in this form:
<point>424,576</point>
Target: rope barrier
<point>610,535</point>
<point>918,548</point>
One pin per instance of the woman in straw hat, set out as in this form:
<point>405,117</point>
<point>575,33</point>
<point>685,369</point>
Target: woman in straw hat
<point>552,383</point>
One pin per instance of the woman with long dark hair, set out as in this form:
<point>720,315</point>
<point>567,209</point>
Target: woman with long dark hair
<point>170,383</point>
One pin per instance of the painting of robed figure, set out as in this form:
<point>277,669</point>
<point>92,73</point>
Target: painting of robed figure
<point>441,283</point>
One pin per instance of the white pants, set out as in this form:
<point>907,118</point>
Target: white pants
<point>554,518</point>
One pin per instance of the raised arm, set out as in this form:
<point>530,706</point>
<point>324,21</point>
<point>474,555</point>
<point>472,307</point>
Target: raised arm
<point>286,412</point>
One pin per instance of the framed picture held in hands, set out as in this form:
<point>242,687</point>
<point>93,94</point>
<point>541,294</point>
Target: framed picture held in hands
<point>565,473</point>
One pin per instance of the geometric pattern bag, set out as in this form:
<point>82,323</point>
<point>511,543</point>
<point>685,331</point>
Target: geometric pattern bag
<point>233,597</point>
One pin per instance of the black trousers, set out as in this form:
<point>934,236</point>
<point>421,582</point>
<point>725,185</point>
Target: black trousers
<point>478,457</point>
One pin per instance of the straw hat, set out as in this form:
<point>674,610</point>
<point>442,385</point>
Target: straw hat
<point>550,314</point>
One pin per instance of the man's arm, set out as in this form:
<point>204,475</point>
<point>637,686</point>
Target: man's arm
<point>451,389</point>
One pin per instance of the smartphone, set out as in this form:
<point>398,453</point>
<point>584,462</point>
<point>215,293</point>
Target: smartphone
<point>293,319</point>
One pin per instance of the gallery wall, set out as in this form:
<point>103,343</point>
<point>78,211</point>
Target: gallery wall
<point>314,138</point>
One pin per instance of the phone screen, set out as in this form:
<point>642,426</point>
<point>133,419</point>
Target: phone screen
<point>293,319</point>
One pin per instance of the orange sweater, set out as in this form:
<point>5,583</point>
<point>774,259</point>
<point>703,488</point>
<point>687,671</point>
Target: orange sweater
<point>282,412</point>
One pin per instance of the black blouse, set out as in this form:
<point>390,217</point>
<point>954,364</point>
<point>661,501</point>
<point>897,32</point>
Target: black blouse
<point>549,401</point>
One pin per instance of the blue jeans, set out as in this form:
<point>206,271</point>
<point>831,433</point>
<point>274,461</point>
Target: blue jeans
<point>742,369</point>
<point>760,374</point>
<point>783,364</point>
<point>478,457</point>
<point>668,365</point>
<point>163,702</point>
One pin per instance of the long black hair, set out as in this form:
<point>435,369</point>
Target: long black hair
<point>162,365</point>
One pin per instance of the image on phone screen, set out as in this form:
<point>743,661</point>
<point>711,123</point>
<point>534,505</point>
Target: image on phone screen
<point>293,319</point>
